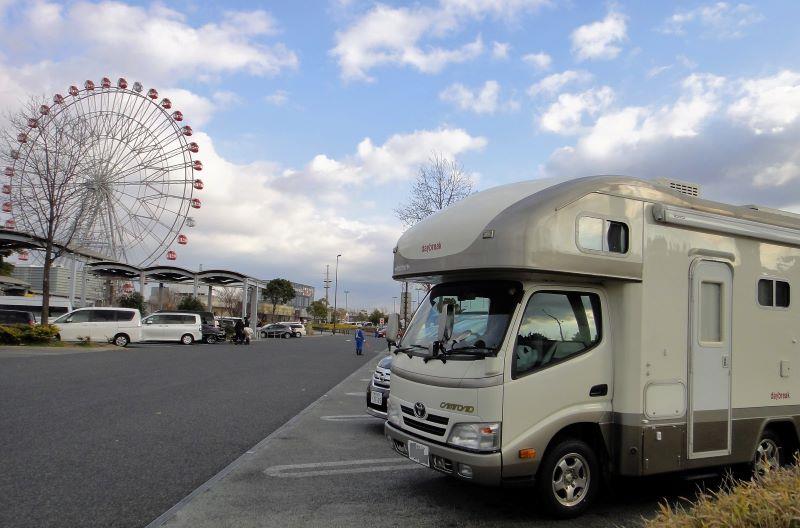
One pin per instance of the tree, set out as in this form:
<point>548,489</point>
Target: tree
<point>376,316</point>
<point>439,183</point>
<point>51,152</point>
<point>319,310</point>
<point>230,299</point>
<point>191,303</point>
<point>278,291</point>
<point>132,300</point>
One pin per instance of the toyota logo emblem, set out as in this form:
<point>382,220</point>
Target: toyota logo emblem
<point>419,410</point>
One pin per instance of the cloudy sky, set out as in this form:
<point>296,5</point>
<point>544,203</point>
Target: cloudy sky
<point>312,117</point>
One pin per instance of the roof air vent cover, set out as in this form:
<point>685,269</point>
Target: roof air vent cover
<point>689,189</point>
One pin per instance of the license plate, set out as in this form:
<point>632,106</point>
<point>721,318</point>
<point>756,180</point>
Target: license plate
<point>419,453</point>
<point>376,398</point>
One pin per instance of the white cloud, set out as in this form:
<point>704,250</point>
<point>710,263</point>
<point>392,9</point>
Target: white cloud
<point>483,101</point>
<point>500,50</point>
<point>553,83</point>
<point>600,40</point>
<point>655,71</point>
<point>540,61</point>
<point>777,175</point>
<point>153,42</point>
<point>387,35</point>
<point>277,98</point>
<point>719,19</point>
<point>769,104</point>
<point>725,134</point>
<point>226,98</point>
<point>566,114</point>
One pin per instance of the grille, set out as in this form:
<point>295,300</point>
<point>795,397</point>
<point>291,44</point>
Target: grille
<point>422,426</point>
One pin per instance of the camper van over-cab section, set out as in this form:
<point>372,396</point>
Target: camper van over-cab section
<point>605,325</point>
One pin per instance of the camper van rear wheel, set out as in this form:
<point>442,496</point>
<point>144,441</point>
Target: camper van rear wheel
<point>121,340</point>
<point>568,478</point>
<point>768,454</point>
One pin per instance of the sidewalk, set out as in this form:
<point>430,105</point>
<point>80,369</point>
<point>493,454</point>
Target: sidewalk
<point>331,466</point>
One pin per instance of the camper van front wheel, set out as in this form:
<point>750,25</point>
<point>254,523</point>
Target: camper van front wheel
<point>121,340</point>
<point>568,478</point>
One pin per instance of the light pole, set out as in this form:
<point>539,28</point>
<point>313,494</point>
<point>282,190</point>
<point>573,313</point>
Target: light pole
<point>335,291</point>
<point>345,305</point>
<point>394,304</point>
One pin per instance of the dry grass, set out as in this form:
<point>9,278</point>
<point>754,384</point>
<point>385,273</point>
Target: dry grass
<point>771,502</point>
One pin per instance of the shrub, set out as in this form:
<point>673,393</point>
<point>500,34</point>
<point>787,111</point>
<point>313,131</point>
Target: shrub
<point>132,300</point>
<point>771,501</point>
<point>27,334</point>
<point>191,303</point>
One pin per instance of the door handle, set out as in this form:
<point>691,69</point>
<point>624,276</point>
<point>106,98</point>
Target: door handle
<point>598,390</point>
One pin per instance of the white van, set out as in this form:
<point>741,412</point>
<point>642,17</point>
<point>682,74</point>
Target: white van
<point>166,326</point>
<point>114,325</point>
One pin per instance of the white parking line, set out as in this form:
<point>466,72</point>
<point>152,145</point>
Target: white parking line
<point>318,468</point>
<point>346,417</point>
<point>354,394</point>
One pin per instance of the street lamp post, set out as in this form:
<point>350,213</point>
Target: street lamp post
<point>335,291</point>
<point>345,305</point>
<point>394,304</point>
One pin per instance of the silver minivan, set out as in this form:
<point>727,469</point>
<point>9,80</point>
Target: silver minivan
<point>185,328</point>
<point>115,325</point>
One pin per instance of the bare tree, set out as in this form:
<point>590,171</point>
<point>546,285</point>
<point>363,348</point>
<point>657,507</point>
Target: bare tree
<point>231,300</point>
<point>49,154</point>
<point>439,183</point>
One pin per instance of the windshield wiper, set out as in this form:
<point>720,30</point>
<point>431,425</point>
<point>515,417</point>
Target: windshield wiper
<point>407,349</point>
<point>470,350</point>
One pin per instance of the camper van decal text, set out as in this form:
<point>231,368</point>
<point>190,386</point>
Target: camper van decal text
<point>780,396</point>
<point>457,407</point>
<point>436,246</point>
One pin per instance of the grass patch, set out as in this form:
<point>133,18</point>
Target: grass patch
<point>769,502</point>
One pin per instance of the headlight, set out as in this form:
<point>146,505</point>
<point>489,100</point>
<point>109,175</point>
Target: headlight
<point>476,436</point>
<point>393,413</point>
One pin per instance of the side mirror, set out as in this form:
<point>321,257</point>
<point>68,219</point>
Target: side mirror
<point>393,328</point>
<point>446,321</point>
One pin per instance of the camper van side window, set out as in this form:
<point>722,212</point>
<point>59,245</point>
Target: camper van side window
<point>617,237</point>
<point>556,326</point>
<point>599,234</point>
<point>773,293</point>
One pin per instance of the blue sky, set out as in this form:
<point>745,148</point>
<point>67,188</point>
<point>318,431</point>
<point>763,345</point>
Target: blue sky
<point>314,116</point>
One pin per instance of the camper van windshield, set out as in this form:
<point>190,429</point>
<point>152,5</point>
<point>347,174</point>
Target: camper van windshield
<point>482,313</point>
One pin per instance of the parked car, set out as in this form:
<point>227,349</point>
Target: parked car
<point>380,331</point>
<point>211,330</point>
<point>185,328</point>
<point>212,333</point>
<point>114,325</point>
<point>378,388</point>
<point>276,330</point>
<point>298,328</point>
<point>8,317</point>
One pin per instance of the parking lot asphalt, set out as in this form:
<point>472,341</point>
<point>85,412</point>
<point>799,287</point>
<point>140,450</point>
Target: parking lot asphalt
<point>332,467</point>
<point>115,437</point>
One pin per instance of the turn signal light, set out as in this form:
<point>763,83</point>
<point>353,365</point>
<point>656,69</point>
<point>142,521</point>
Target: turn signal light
<point>527,453</point>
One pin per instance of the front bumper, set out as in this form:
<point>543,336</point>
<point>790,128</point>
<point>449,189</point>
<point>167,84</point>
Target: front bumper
<point>486,467</point>
<point>378,411</point>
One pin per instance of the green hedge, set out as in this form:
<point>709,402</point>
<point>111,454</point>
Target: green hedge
<point>771,501</point>
<point>22,334</point>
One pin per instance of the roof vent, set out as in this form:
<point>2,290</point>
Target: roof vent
<point>689,189</point>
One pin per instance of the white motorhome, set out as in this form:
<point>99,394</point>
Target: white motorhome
<point>601,325</point>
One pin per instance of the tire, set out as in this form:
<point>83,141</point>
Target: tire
<point>121,340</point>
<point>287,335</point>
<point>568,479</point>
<point>769,454</point>
<point>211,339</point>
<point>187,339</point>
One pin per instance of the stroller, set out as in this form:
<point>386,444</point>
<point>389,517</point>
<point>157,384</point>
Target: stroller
<point>242,335</point>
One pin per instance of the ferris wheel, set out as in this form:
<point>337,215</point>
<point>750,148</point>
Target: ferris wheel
<point>133,183</point>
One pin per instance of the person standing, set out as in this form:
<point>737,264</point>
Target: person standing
<point>238,329</point>
<point>359,339</point>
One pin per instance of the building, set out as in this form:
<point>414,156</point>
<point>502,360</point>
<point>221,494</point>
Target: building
<point>61,281</point>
